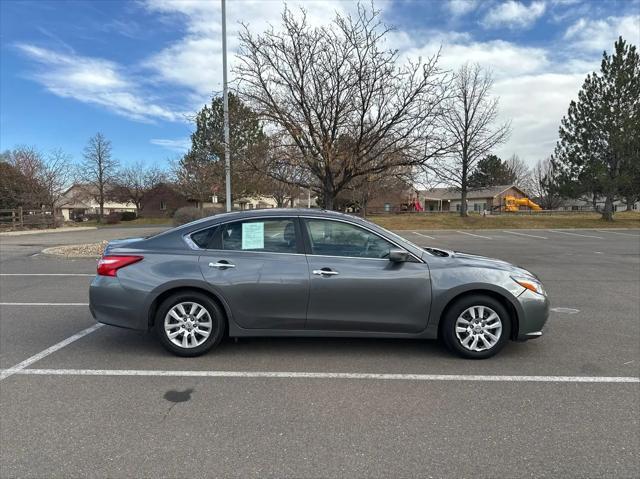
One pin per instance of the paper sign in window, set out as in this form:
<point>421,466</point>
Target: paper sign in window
<point>252,235</point>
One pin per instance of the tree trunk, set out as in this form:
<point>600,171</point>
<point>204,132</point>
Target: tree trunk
<point>329,194</point>
<point>328,200</point>
<point>101,210</point>
<point>630,203</point>
<point>53,215</point>
<point>463,204</point>
<point>607,213</point>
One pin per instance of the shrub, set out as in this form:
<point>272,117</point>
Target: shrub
<point>128,215</point>
<point>112,218</point>
<point>186,214</point>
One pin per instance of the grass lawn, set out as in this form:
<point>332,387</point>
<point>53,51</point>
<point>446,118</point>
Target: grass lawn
<point>438,221</point>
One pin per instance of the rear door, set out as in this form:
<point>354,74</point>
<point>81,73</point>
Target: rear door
<point>259,267</point>
<point>354,286</point>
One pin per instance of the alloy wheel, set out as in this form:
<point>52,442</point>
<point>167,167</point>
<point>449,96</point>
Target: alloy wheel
<point>188,324</point>
<point>478,328</point>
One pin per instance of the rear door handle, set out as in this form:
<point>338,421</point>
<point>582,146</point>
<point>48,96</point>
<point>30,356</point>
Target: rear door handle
<point>221,265</point>
<point>325,272</point>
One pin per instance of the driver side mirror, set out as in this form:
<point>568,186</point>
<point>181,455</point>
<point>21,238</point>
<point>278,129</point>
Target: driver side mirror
<point>398,255</point>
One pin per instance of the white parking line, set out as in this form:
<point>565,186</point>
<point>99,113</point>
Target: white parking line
<point>46,274</point>
<point>575,234</point>
<point>525,234</point>
<point>44,304</point>
<point>618,233</point>
<point>420,234</point>
<point>324,375</point>
<point>471,234</point>
<point>5,373</point>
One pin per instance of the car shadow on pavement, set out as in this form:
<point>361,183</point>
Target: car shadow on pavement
<point>116,348</point>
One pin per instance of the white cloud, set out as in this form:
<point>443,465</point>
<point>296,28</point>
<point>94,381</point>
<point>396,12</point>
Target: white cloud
<point>179,145</point>
<point>599,35</point>
<point>458,8</point>
<point>504,59</point>
<point>514,14</point>
<point>533,85</point>
<point>93,80</point>
<point>535,104</point>
<point>195,60</point>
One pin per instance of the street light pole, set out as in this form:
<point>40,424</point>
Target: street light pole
<point>225,101</point>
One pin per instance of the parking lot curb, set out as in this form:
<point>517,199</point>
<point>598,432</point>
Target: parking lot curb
<point>56,230</point>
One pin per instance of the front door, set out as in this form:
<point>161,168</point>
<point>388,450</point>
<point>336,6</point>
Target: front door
<point>354,286</point>
<point>258,266</point>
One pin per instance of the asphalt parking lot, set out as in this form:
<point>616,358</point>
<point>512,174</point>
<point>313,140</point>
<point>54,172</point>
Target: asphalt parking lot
<point>87,401</point>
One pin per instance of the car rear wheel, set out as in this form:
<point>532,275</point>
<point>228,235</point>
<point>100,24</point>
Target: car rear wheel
<point>476,327</point>
<point>189,323</point>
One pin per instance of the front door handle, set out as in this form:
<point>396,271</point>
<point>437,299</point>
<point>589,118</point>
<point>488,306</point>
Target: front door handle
<point>221,265</point>
<point>325,272</point>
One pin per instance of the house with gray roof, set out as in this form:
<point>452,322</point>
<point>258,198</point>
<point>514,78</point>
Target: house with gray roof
<point>480,199</point>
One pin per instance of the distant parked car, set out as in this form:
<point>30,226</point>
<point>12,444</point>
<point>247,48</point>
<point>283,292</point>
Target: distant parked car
<point>287,272</point>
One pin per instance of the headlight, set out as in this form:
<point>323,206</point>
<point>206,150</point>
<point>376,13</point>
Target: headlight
<point>530,284</point>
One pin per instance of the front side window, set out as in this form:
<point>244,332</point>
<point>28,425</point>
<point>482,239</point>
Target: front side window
<point>334,238</point>
<point>267,235</point>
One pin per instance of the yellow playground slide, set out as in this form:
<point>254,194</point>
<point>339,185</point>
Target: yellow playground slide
<point>511,203</point>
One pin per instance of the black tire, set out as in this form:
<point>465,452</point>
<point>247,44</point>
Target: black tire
<point>448,330</point>
<point>218,323</point>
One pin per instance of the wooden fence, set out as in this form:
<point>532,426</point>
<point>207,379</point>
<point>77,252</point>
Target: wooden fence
<point>21,219</point>
<point>382,211</point>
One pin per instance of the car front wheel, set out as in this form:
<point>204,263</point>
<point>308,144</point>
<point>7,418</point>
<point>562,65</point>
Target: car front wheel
<point>476,327</point>
<point>189,323</point>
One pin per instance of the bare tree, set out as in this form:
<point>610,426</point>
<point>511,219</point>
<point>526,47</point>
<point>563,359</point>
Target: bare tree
<point>43,178</point>
<point>280,171</point>
<point>341,99</point>
<point>136,180</point>
<point>469,120</point>
<point>392,184</point>
<point>545,184</point>
<point>521,173</point>
<point>28,163</point>
<point>98,169</point>
<point>198,178</point>
<point>55,176</point>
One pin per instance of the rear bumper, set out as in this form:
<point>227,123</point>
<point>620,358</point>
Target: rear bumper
<point>112,304</point>
<point>535,312</point>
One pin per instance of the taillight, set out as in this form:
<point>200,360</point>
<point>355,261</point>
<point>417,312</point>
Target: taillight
<point>109,265</point>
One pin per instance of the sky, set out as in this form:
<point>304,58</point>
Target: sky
<point>137,71</point>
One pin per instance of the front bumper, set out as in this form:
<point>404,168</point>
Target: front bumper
<point>535,312</point>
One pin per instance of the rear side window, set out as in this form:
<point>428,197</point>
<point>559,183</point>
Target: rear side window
<point>204,238</point>
<point>267,235</point>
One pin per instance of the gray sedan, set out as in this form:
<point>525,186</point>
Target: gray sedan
<point>295,272</point>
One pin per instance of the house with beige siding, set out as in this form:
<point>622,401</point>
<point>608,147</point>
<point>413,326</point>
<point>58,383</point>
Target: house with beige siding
<point>480,199</point>
<point>82,200</point>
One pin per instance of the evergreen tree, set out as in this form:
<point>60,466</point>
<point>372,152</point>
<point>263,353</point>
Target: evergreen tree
<point>247,141</point>
<point>491,171</point>
<point>598,150</point>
